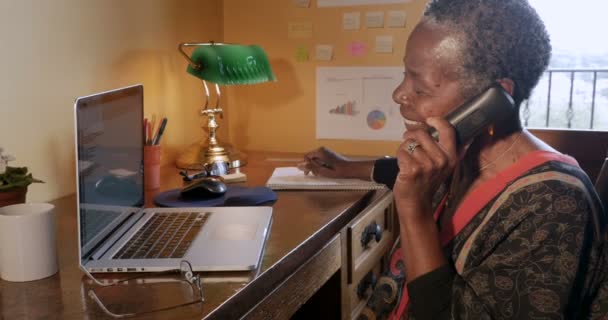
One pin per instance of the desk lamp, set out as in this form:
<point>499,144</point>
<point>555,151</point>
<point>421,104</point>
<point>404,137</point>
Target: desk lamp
<point>221,64</point>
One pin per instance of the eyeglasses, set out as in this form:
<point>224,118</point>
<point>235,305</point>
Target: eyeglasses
<point>186,275</point>
<point>214,169</point>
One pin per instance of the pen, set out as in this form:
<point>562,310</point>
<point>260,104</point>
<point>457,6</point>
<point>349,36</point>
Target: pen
<point>285,159</point>
<point>161,130</point>
<point>320,162</point>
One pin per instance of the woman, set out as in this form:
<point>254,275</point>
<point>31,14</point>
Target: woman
<point>504,226</point>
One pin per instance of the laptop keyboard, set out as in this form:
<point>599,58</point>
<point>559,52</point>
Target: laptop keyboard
<point>165,235</point>
<point>95,221</point>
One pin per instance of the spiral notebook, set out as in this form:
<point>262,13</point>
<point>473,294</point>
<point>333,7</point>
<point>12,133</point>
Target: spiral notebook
<point>292,178</point>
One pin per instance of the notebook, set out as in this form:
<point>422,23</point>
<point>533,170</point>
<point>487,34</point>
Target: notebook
<point>116,233</point>
<point>292,178</point>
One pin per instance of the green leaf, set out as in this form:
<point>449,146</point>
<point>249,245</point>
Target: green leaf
<point>16,177</point>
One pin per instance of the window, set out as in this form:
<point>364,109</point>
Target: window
<point>573,93</point>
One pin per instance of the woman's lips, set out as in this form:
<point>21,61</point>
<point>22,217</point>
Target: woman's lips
<point>411,124</point>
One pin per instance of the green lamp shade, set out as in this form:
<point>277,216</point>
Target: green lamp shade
<point>231,64</point>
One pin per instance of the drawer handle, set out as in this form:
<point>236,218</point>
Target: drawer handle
<point>369,280</point>
<point>373,230</point>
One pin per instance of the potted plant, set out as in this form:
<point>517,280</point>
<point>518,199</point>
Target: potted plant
<point>13,181</point>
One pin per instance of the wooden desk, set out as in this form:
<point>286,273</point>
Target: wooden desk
<point>307,246</point>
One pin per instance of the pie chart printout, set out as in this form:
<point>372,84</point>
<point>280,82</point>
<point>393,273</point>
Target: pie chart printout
<point>376,119</point>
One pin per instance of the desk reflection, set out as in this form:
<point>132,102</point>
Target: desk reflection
<point>148,289</point>
<point>44,294</point>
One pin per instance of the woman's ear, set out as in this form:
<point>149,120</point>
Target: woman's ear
<point>508,85</point>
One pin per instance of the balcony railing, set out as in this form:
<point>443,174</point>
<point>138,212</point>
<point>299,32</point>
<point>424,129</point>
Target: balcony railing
<point>569,98</point>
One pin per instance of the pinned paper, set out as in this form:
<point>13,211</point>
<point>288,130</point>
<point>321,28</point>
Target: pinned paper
<point>357,49</point>
<point>299,30</point>
<point>374,19</point>
<point>302,54</point>
<point>356,102</point>
<point>396,19</point>
<point>301,3</point>
<point>351,21</point>
<point>343,3</point>
<point>384,44</point>
<point>324,52</point>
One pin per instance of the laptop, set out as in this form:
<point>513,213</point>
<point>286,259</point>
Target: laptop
<point>116,233</point>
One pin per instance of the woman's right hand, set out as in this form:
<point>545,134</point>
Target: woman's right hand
<point>325,162</point>
<point>424,164</point>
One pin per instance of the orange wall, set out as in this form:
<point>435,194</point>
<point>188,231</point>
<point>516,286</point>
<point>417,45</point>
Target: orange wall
<point>280,116</point>
<point>55,51</point>
<point>63,49</point>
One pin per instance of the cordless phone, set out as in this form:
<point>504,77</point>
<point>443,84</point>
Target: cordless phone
<point>472,117</point>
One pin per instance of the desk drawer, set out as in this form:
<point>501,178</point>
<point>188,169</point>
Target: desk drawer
<point>361,290</point>
<point>369,238</point>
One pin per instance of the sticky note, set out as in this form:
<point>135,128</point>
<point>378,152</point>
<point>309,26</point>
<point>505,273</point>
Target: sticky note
<point>351,21</point>
<point>302,54</point>
<point>356,48</point>
<point>299,30</point>
<point>396,19</point>
<point>301,3</point>
<point>324,52</point>
<point>384,44</point>
<point>374,19</point>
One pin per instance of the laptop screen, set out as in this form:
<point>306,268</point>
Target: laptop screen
<point>109,142</point>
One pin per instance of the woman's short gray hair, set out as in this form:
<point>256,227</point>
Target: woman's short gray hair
<point>497,39</point>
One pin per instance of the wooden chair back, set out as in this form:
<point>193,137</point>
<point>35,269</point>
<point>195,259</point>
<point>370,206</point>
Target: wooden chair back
<point>601,183</point>
<point>586,146</point>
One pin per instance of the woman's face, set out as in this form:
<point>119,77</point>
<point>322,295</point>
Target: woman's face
<point>427,89</point>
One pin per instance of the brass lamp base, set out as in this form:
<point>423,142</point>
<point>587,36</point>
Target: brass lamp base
<point>197,155</point>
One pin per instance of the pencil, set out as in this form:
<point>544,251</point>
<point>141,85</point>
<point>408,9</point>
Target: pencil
<point>155,136</point>
<point>152,124</point>
<point>161,130</point>
<point>145,131</point>
<point>149,133</point>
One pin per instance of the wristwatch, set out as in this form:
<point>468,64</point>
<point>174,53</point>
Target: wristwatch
<point>385,170</point>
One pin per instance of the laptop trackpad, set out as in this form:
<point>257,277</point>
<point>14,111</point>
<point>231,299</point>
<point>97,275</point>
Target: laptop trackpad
<point>234,231</point>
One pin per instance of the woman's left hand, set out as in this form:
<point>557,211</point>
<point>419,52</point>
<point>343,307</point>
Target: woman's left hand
<point>423,165</point>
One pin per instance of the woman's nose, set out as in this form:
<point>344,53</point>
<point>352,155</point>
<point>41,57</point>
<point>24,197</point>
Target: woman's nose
<point>400,97</point>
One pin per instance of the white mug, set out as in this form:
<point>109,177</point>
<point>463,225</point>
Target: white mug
<point>28,249</point>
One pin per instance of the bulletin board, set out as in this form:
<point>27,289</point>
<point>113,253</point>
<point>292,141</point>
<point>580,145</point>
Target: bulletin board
<point>308,43</point>
<point>354,102</point>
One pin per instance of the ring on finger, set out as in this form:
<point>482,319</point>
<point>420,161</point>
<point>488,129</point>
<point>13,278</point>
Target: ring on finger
<point>411,147</point>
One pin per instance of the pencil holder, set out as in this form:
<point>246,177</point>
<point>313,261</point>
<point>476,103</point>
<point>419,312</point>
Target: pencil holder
<point>152,167</point>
